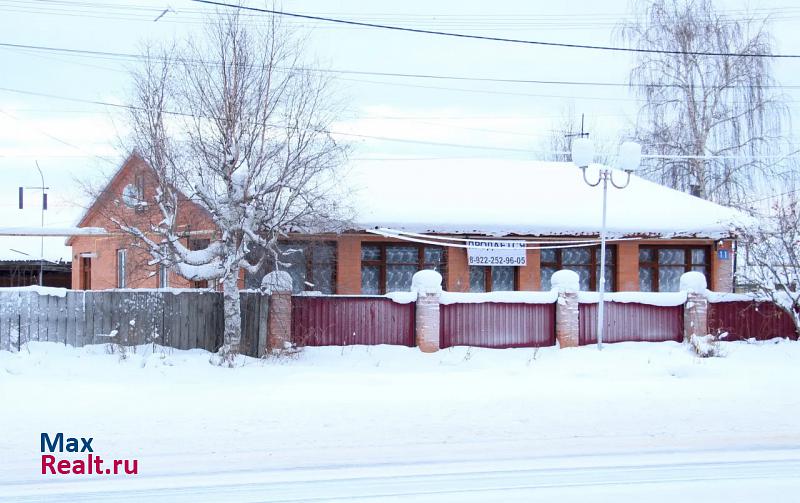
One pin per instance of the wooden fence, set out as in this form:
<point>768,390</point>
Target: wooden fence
<point>184,320</point>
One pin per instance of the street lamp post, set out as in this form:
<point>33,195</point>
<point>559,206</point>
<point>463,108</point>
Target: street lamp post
<point>630,155</point>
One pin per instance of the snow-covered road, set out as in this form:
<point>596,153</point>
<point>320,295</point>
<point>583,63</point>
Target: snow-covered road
<point>768,475</point>
<point>637,422</point>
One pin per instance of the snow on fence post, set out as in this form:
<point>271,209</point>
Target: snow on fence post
<point>567,283</point>
<point>428,286</point>
<point>278,284</point>
<point>695,311</point>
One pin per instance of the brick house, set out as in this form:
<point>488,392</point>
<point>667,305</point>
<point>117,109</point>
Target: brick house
<point>115,260</point>
<point>655,233</point>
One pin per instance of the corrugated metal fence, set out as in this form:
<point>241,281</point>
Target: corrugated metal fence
<point>194,319</point>
<point>745,320</point>
<point>631,322</point>
<point>497,325</point>
<point>346,320</point>
<point>185,320</point>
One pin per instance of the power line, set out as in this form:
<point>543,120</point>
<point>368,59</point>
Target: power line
<point>59,140</point>
<point>492,21</point>
<point>494,39</point>
<point>184,114</point>
<point>131,56</point>
<point>398,140</point>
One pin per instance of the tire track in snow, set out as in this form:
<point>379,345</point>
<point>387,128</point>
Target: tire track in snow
<point>316,486</point>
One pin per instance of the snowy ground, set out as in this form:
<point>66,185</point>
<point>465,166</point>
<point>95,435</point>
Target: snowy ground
<point>637,422</point>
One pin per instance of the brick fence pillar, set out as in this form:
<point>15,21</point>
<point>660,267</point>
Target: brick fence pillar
<point>279,328</point>
<point>567,284</point>
<point>428,286</point>
<point>279,324</point>
<point>695,311</point>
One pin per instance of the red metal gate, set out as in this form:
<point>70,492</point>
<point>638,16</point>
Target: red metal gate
<point>631,322</point>
<point>343,321</point>
<point>497,325</point>
<point>744,320</point>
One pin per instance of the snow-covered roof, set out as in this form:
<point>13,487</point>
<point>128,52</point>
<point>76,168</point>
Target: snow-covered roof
<point>58,218</point>
<point>52,231</point>
<point>524,197</point>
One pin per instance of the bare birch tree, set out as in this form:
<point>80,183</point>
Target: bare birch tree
<point>233,122</point>
<point>702,105</point>
<point>772,254</point>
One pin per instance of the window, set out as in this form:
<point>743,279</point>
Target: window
<point>660,267</point>
<point>311,264</point>
<point>492,279</point>
<point>195,244</point>
<point>583,260</point>
<point>163,276</point>
<point>86,273</point>
<point>122,266</point>
<point>389,267</point>
<point>139,184</point>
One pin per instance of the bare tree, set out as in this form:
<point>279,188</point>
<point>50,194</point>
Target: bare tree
<point>772,254</point>
<point>233,122</point>
<point>701,105</point>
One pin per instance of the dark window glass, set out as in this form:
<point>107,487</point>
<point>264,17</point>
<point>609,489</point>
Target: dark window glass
<point>503,279</point>
<point>389,267</point>
<point>477,279</point>
<point>311,264</point>
<point>370,279</point>
<point>660,268</point>
<point>547,274</point>
<point>585,261</point>
<point>492,279</point>
<point>370,252</point>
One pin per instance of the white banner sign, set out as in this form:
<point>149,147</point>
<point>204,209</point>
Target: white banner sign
<point>496,253</point>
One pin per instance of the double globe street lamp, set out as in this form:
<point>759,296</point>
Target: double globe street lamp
<point>630,156</point>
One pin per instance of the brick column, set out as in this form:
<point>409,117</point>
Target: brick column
<point>428,286</point>
<point>567,284</point>
<point>695,311</point>
<point>278,284</point>
<point>279,327</point>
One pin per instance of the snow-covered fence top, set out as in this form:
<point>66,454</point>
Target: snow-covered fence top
<point>181,319</point>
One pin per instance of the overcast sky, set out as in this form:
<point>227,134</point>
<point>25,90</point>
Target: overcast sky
<point>456,119</point>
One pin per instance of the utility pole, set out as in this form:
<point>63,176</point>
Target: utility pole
<point>44,207</point>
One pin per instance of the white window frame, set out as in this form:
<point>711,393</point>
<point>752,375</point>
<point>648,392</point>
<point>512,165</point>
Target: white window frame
<point>163,276</point>
<point>122,268</point>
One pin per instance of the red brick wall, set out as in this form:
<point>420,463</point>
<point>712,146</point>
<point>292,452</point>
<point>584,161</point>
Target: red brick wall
<point>722,270</point>
<point>109,207</point>
<point>529,276</point>
<point>627,266</point>
<point>348,265</point>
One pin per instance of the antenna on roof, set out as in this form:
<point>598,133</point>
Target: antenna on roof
<point>582,134</point>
